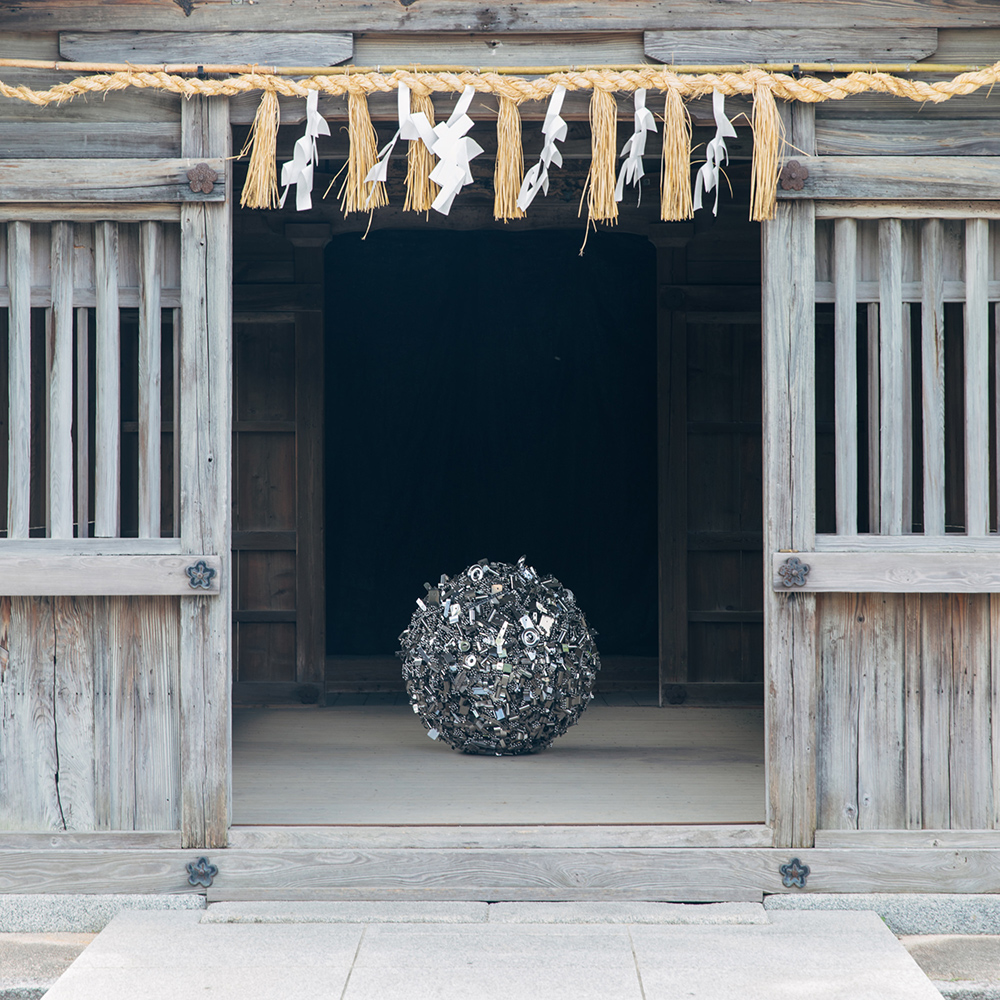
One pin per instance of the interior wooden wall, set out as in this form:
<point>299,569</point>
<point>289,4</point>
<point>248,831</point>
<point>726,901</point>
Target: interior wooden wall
<point>89,713</point>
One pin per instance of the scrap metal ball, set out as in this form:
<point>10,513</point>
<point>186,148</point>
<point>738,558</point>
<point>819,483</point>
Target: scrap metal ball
<point>498,660</point>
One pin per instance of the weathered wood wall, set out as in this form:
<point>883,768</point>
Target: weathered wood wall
<point>909,711</point>
<point>89,714</point>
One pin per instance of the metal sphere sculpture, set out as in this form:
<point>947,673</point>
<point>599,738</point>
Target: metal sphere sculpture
<point>498,660</point>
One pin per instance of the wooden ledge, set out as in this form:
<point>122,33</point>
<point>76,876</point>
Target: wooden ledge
<point>46,575</point>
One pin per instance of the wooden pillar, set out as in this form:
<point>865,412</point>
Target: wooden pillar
<point>670,241</point>
<point>205,487</point>
<point>790,648</point>
<point>309,241</point>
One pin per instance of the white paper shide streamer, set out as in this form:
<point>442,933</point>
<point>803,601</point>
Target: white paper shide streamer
<point>411,127</point>
<point>454,151</point>
<point>716,153</point>
<point>554,130</point>
<point>299,169</point>
<point>633,151</point>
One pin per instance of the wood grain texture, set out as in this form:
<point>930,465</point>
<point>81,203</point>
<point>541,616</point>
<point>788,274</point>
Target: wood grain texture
<point>860,137</point>
<point>891,378</point>
<point>913,711</point>
<point>51,139</point>
<point>150,380</point>
<point>881,718</point>
<point>950,542</point>
<point>465,837</point>
<point>149,575</point>
<point>471,16</point>
<point>29,793</point>
<point>894,572</point>
<point>19,378</point>
<point>841,44</point>
<point>107,467</point>
<point>971,756</point>
<point>846,374</point>
<point>917,208</point>
<point>60,212</point>
<point>59,370</point>
<point>977,415</point>
<point>932,374</point>
<point>271,48</point>
<point>789,507</point>
<point>82,423</point>
<point>205,377</point>
<point>98,179</point>
<point>894,839</point>
<point>927,177</point>
<point>101,840</point>
<point>837,736</point>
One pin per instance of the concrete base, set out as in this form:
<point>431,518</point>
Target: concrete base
<point>31,963</point>
<point>823,956</point>
<point>961,967</point>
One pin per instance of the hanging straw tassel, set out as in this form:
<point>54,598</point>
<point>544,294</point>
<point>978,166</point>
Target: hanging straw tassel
<point>601,204</point>
<point>508,174</point>
<point>675,167</point>
<point>260,190</point>
<point>768,141</point>
<point>355,194</point>
<point>420,189</point>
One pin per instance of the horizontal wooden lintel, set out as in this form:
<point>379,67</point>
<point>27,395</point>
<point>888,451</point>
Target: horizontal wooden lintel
<point>892,572</point>
<point>860,177</point>
<point>163,180</point>
<point>26,574</point>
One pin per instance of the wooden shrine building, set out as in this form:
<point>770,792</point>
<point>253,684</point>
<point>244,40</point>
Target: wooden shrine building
<point>760,440</point>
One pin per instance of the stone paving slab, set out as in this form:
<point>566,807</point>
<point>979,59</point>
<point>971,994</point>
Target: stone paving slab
<point>31,963</point>
<point>906,912</point>
<point>822,956</point>
<point>30,913</point>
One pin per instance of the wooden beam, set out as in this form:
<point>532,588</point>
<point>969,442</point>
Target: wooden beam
<point>82,430</point>
<point>906,137</point>
<point>891,381</point>
<point>59,368</point>
<point>19,385</point>
<point>205,468</point>
<point>865,177</point>
<point>86,140</point>
<point>99,179</point>
<point>546,16</point>
<point>68,212</point>
<point>977,417</point>
<point>107,468</point>
<point>150,345</point>
<point>932,373</point>
<point>916,208</point>
<point>82,575</point>
<point>802,45</point>
<point>682,874</point>
<point>951,542</point>
<point>269,48</point>
<point>910,839</point>
<point>845,259</point>
<point>41,547</point>
<point>790,657</point>
<point>892,572</point>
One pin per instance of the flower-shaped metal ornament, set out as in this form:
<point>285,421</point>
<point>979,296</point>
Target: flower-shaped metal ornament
<point>793,176</point>
<point>201,872</point>
<point>794,874</point>
<point>200,575</point>
<point>793,572</point>
<point>202,178</point>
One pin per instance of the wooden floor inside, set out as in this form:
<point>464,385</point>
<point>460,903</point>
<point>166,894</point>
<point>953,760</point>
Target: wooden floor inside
<point>373,764</point>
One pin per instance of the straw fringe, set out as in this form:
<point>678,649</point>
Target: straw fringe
<point>260,189</point>
<point>675,167</point>
<point>601,204</point>
<point>355,194</point>
<point>768,142</point>
<point>420,189</point>
<point>508,174</point>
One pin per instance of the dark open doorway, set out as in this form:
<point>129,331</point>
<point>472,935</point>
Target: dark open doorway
<point>489,394</point>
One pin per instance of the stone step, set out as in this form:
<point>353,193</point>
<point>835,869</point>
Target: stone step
<point>655,952</point>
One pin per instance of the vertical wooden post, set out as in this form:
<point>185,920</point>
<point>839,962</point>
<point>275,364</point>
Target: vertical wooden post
<point>874,411</point>
<point>309,241</point>
<point>977,417</point>
<point>671,449</point>
<point>82,423</point>
<point>790,642</point>
<point>932,373</point>
<point>19,393</point>
<point>845,264</point>
<point>205,421</point>
<point>149,379</point>
<point>107,470</point>
<point>891,441</point>
<point>60,385</point>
